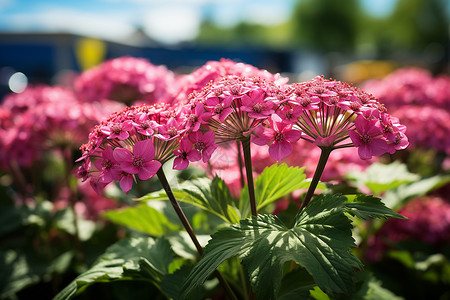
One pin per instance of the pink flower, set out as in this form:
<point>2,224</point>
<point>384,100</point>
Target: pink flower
<point>367,137</point>
<point>220,108</point>
<point>118,130</point>
<point>256,105</point>
<point>108,165</point>
<point>184,154</point>
<point>203,144</point>
<point>144,125</point>
<point>198,117</point>
<point>140,161</point>
<point>279,134</point>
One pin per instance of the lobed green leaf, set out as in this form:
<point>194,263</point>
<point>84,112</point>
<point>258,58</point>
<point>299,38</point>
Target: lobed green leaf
<point>319,241</point>
<point>139,258</point>
<point>142,218</point>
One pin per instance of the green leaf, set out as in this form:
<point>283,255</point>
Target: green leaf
<point>272,184</point>
<point>367,207</point>
<point>319,241</point>
<point>371,289</point>
<point>296,285</point>
<point>142,218</point>
<point>210,195</point>
<point>380,177</point>
<point>139,258</point>
<point>398,197</point>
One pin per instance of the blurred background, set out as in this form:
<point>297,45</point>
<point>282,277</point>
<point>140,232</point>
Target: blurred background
<point>50,41</point>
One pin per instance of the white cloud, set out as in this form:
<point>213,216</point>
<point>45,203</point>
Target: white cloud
<point>170,24</point>
<point>75,21</point>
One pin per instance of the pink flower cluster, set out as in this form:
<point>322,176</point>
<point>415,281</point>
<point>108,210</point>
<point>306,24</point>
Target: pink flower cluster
<point>126,79</point>
<point>45,118</point>
<point>213,70</point>
<point>326,113</point>
<point>429,222</point>
<point>421,102</point>
<point>134,142</point>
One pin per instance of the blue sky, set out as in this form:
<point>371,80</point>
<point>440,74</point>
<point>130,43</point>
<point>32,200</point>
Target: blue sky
<point>168,21</point>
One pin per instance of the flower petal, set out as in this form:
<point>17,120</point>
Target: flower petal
<point>149,170</point>
<point>279,150</point>
<point>180,164</point>
<point>122,154</point>
<point>144,149</point>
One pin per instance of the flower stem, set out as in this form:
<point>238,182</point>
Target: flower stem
<point>240,164</point>
<point>162,178</point>
<point>249,173</point>
<point>316,177</point>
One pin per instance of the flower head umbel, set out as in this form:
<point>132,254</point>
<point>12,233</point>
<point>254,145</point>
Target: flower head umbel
<point>126,79</point>
<point>232,107</point>
<point>335,115</point>
<point>133,142</point>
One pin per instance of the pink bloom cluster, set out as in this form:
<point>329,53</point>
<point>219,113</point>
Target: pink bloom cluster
<point>329,113</point>
<point>45,118</point>
<point>135,142</point>
<point>213,70</point>
<point>429,222</point>
<point>126,79</point>
<point>421,102</point>
<point>411,86</point>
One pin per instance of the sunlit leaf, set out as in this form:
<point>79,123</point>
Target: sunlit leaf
<point>273,183</point>
<point>380,177</point>
<point>319,241</point>
<point>140,258</point>
<point>368,207</point>
<point>397,197</point>
<point>210,195</point>
<point>142,218</point>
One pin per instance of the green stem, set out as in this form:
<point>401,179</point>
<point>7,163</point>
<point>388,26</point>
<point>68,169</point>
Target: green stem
<point>162,178</point>
<point>249,173</point>
<point>316,177</point>
<point>240,164</point>
<point>176,206</point>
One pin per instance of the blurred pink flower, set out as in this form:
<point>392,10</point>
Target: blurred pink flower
<point>126,79</point>
<point>429,222</point>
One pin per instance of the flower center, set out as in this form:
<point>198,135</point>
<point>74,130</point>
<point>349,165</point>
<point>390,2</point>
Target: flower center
<point>388,129</point>
<point>289,115</point>
<point>193,118</point>
<point>145,124</point>
<point>107,164</point>
<point>333,100</point>
<point>138,161</point>
<point>366,138</point>
<point>278,136</point>
<point>235,89</point>
<point>398,139</point>
<point>355,106</point>
<point>172,131</point>
<point>257,107</point>
<point>116,128</point>
<point>218,109</point>
<point>218,91</point>
<point>305,101</point>
<point>200,146</point>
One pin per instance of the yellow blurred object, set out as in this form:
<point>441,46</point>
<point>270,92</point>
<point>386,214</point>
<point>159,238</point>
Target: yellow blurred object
<point>363,70</point>
<point>89,52</point>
